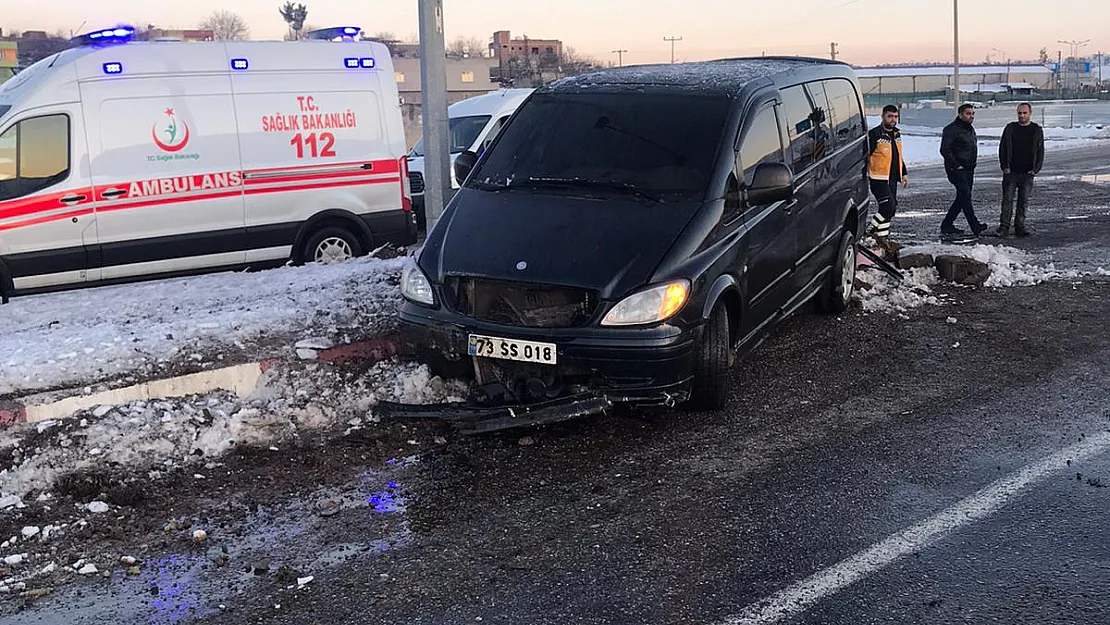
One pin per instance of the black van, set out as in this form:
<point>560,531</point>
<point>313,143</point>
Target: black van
<point>633,230</point>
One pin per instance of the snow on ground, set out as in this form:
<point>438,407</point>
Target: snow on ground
<point>922,143</point>
<point>76,337</point>
<point>147,438</point>
<point>1009,267</point>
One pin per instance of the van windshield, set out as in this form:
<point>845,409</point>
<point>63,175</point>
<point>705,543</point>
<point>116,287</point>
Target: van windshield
<point>663,143</point>
<point>464,131</point>
<point>4,108</point>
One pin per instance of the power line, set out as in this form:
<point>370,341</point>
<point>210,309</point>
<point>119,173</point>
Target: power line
<point>620,57</point>
<point>673,40</point>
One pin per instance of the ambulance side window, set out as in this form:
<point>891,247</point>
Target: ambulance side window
<point>34,155</point>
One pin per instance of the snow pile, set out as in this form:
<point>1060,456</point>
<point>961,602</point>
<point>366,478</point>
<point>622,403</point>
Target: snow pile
<point>881,294</point>
<point>148,438</point>
<point>1009,267</point>
<point>77,337</point>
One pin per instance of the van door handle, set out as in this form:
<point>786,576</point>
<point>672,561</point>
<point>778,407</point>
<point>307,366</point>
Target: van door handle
<point>111,194</point>
<point>73,199</point>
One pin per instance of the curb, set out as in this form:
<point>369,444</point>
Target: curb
<point>242,380</point>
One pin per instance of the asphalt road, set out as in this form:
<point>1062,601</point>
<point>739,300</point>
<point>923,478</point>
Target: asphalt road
<point>869,469</point>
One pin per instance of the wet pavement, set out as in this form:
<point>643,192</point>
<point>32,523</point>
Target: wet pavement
<point>841,433</point>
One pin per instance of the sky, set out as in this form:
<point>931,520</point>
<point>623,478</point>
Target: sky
<point>867,31</point>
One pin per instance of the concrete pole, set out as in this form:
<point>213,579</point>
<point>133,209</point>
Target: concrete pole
<point>956,53</point>
<point>433,84</point>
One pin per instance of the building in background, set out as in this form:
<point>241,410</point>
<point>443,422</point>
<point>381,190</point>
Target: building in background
<point>881,85</point>
<point>466,78</point>
<point>9,59</point>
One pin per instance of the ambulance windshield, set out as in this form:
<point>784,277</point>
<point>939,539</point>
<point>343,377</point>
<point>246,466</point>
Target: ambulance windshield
<point>4,108</point>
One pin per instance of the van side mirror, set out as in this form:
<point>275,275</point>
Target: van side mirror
<point>772,182</point>
<point>464,164</point>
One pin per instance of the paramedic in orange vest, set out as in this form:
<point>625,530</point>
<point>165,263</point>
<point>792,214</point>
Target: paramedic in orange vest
<point>886,168</point>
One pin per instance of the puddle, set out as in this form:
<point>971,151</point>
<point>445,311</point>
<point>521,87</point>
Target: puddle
<point>181,588</point>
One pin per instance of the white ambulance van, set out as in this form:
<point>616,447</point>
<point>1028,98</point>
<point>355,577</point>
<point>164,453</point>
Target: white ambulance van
<point>121,160</point>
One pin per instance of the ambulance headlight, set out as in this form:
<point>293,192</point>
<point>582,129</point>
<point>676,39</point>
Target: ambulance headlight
<point>415,286</point>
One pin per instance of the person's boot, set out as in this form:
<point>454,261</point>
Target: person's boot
<point>979,229</point>
<point>1004,232</point>
<point>1023,231</point>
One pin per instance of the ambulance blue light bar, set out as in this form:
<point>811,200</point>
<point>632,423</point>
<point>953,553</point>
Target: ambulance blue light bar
<point>240,64</point>
<point>339,33</point>
<point>119,34</point>
<point>113,68</point>
<point>351,63</point>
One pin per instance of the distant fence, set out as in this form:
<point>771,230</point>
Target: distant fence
<point>875,100</point>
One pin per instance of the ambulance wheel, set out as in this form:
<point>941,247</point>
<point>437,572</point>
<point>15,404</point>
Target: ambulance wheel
<point>332,245</point>
<point>837,294</point>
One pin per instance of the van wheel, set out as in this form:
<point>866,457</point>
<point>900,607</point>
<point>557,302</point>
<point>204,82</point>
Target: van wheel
<point>332,245</point>
<point>711,369</point>
<point>837,294</point>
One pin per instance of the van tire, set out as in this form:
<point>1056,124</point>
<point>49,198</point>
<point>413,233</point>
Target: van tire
<point>711,367</point>
<point>329,243</point>
<point>837,294</point>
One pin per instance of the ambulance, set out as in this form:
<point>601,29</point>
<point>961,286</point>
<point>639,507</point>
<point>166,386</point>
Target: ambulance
<point>122,160</point>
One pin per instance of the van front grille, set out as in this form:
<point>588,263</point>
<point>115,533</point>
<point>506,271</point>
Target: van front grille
<point>522,304</point>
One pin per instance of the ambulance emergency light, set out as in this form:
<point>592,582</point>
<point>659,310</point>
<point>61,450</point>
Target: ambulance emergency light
<point>239,64</point>
<point>339,33</point>
<point>119,34</point>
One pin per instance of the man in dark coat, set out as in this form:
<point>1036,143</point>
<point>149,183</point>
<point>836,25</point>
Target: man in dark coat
<point>959,146</point>
<point>1021,154</point>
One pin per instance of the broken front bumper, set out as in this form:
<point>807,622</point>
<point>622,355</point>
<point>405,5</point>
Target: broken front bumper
<point>598,368</point>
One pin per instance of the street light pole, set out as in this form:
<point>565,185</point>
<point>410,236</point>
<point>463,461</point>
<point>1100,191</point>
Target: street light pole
<point>433,84</point>
<point>956,53</point>
<point>1075,46</point>
<point>1007,56</point>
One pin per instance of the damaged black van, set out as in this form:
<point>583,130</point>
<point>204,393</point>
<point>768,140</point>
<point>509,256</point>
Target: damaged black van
<point>632,231</point>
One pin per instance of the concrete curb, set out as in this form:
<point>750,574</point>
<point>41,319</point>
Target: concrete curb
<point>240,379</point>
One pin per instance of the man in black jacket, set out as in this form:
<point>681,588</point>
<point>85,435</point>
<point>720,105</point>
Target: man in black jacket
<point>1021,154</point>
<point>960,148</point>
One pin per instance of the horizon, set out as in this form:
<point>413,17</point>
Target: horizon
<point>756,31</point>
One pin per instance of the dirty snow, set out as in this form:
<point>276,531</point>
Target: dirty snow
<point>1009,267</point>
<point>147,438</point>
<point>75,337</point>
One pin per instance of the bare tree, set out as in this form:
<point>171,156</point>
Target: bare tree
<point>294,15</point>
<point>1044,55</point>
<point>226,26</point>
<point>463,47</point>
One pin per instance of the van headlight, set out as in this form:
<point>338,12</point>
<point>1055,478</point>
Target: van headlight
<point>650,306</point>
<point>415,286</point>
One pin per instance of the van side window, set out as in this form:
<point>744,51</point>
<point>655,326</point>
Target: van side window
<point>34,155</point>
<point>847,115</point>
<point>824,141</point>
<point>762,143</point>
<point>799,127</point>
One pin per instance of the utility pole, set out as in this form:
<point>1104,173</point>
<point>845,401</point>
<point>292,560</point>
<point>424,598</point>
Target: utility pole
<point>1007,57</point>
<point>672,40</point>
<point>956,53</point>
<point>620,57</point>
<point>834,50</point>
<point>433,84</point>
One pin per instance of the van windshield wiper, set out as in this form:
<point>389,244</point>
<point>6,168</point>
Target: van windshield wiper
<point>583,183</point>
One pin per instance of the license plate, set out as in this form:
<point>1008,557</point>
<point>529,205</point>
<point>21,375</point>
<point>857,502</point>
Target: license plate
<point>509,349</point>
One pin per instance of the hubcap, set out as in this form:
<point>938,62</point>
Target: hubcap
<point>332,250</point>
<point>848,276</point>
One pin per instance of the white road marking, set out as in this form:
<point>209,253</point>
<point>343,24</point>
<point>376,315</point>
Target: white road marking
<point>798,598</point>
